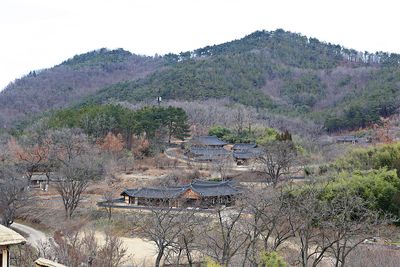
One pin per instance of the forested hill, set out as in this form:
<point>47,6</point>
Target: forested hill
<point>279,71</point>
<point>71,80</point>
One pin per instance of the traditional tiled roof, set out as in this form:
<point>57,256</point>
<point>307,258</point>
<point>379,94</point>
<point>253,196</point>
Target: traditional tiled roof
<point>207,141</point>
<point>244,146</point>
<point>209,188</point>
<point>209,154</point>
<point>348,138</point>
<point>10,237</point>
<point>204,154</point>
<point>39,177</point>
<point>201,151</point>
<point>203,188</point>
<point>166,192</point>
<point>247,154</point>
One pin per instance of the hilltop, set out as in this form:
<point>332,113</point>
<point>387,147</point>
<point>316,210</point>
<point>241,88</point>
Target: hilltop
<point>62,85</point>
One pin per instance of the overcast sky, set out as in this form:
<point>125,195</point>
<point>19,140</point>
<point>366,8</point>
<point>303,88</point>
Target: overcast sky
<point>42,33</point>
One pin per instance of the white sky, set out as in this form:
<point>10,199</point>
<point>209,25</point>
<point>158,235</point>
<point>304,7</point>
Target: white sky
<point>37,34</point>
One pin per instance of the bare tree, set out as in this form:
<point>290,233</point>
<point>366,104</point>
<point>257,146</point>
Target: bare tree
<point>222,236</point>
<point>75,248</point>
<point>113,252</point>
<point>78,164</point>
<point>222,166</point>
<point>187,240</point>
<point>332,227</point>
<point>277,160</point>
<point>310,213</point>
<point>164,227</point>
<point>31,152</point>
<point>108,197</point>
<point>270,221</point>
<point>73,178</point>
<point>66,246</point>
<point>13,194</point>
<point>23,255</point>
<point>351,222</point>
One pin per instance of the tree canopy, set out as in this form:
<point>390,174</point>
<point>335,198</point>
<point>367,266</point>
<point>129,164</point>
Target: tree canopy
<point>98,120</point>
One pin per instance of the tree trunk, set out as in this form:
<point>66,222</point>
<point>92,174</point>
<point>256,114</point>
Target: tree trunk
<point>159,257</point>
<point>109,212</point>
<point>129,140</point>
<point>188,256</point>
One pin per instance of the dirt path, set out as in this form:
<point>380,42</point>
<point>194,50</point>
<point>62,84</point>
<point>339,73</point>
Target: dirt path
<point>140,252</point>
<point>35,237</point>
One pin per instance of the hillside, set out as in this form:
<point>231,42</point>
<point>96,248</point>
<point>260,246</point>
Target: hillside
<point>71,80</point>
<point>282,72</point>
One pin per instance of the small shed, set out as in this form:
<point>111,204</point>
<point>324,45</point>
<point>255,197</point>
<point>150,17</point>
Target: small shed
<point>40,180</point>
<point>347,139</point>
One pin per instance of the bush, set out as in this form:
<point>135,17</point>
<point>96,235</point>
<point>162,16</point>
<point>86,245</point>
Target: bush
<point>271,259</point>
<point>381,188</point>
<point>385,156</point>
<point>211,263</point>
<point>257,135</point>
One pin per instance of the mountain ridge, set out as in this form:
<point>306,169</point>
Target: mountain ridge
<point>277,71</point>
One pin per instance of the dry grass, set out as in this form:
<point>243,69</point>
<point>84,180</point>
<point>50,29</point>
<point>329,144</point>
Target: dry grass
<point>374,256</point>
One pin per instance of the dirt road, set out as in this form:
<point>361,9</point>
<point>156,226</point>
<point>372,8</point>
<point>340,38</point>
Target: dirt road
<point>140,252</point>
<point>35,237</point>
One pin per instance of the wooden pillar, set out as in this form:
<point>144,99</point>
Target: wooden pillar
<point>5,257</point>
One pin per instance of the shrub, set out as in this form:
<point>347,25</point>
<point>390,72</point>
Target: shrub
<point>271,259</point>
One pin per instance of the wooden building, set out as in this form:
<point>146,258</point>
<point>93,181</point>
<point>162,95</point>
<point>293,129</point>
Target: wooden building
<point>207,141</point>
<point>40,180</point>
<point>198,194</point>
<point>243,146</point>
<point>8,238</point>
<point>244,154</point>
<point>347,139</point>
<point>207,149</point>
<point>204,154</point>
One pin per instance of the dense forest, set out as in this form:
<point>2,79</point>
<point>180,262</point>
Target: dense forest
<point>275,72</point>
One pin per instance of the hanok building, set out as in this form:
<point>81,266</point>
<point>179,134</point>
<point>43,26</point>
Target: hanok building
<point>207,148</point>
<point>207,141</point>
<point>8,238</point>
<point>198,194</point>
<point>40,180</point>
<point>347,139</point>
<point>208,154</point>
<point>245,153</point>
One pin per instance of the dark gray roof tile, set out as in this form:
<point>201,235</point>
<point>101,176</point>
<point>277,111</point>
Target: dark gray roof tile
<point>207,141</point>
<point>244,146</point>
<point>204,188</point>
